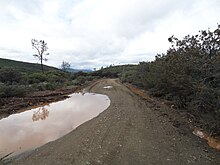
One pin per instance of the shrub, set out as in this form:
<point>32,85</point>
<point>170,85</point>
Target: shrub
<point>79,80</point>
<point>13,90</point>
<point>36,78</point>
<point>128,76</point>
<point>10,76</point>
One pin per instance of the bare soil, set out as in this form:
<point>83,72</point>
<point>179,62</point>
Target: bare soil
<point>13,105</point>
<point>132,131</point>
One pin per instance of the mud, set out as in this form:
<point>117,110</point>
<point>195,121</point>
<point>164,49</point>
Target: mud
<point>32,100</point>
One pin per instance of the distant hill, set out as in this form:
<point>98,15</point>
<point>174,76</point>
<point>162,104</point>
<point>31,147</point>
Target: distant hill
<point>79,70</point>
<point>23,66</point>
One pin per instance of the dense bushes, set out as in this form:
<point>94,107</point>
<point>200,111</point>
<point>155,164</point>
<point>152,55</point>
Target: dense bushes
<point>188,74</point>
<point>113,71</point>
<point>12,90</point>
<point>186,71</point>
<point>36,78</point>
<point>16,83</point>
<point>10,76</point>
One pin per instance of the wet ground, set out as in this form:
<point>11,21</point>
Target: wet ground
<point>131,131</point>
<point>33,128</point>
<point>13,105</point>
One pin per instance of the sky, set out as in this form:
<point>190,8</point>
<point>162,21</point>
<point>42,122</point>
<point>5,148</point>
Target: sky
<point>95,33</point>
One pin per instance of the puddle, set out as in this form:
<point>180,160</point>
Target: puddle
<point>212,142</point>
<point>107,87</point>
<point>31,129</point>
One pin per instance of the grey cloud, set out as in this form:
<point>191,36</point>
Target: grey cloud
<point>10,50</point>
<point>96,33</point>
<point>147,16</point>
<point>25,7</point>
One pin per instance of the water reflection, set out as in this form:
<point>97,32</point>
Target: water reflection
<point>41,114</point>
<point>83,92</point>
<point>18,132</point>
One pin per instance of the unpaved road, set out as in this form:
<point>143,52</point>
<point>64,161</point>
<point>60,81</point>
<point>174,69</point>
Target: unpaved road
<point>129,132</point>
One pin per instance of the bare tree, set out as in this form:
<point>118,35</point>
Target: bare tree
<point>65,66</point>
<point>41,47</point>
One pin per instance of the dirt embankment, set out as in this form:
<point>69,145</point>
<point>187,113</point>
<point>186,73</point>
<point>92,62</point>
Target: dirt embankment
<point>13,105</point>
<point>131,131</point>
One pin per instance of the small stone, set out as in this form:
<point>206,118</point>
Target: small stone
<point>194,157</point>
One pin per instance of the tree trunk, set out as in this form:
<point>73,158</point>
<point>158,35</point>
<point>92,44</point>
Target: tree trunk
<point>41,63</point>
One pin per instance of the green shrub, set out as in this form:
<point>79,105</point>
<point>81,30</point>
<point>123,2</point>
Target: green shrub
<point>207,100</point>
<point>13,90</point>
<point>37,78</point>
<point>128,76</point>
<point>79,80</point>
<point>57,76</point>
<point>188,74</point>
<point>10,76</point>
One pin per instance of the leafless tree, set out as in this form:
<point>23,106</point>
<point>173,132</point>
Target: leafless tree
<point>41,47</point>
<point>65,66</point>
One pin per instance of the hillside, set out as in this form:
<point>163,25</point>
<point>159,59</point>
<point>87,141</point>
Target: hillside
<point>23,66</point>
<point>17,79</point>
<point>72,70</point>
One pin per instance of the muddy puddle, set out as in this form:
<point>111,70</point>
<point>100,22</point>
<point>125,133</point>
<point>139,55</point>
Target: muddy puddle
<point>107,87</point>
<point>33,128</point>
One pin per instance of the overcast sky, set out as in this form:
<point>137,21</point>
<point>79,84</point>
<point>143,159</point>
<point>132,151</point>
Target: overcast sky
<point>95,33</point>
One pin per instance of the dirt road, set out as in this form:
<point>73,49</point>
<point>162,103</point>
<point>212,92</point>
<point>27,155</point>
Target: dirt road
<point>130,132</point>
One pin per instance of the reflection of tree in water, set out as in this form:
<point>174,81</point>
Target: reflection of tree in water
<point>41,114</point>
<point>83,92</point>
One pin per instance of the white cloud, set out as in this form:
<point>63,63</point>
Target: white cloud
<point>92,33</point>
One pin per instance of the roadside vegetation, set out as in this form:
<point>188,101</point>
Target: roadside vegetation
<point>24,78</point>
<point>188,75</point>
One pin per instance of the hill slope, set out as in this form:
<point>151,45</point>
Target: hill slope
<point>78,70</point>
<point>23,66</point>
